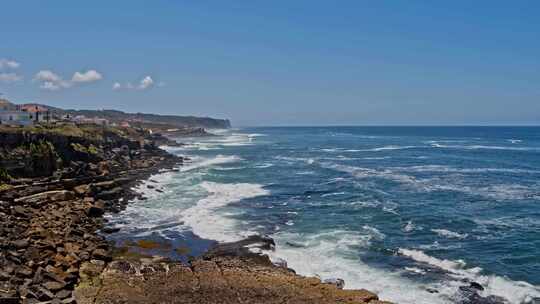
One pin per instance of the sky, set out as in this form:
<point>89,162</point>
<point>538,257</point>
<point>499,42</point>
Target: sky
<point>264,63</point>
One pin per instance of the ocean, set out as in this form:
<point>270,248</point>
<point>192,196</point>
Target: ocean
<point>411,213</point>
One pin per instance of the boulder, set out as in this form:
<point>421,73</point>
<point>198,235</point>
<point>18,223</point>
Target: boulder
<point>20,244</point>
<point>19,211</point>
<point>96,210</point>
<point>101,254</point>
<point>48,196</point>
<point>110,194</point>
<point>54,285</point>
<point>82,189</point>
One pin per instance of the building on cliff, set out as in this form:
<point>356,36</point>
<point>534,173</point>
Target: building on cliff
<point>13,114</point>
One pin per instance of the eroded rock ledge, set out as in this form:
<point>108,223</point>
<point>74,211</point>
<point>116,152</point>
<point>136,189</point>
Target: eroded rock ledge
<point>227,274</point>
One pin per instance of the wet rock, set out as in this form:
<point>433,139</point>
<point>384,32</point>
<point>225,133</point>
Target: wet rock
<point>110,194</point>
<point>96,210</point>
<point>279,262</point>
<point>244,248</point>
<point>476,285</point>
<point>339,283</point>
<point>110,230</point>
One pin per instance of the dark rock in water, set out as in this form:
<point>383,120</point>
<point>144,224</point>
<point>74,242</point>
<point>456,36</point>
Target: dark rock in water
<point>476,285</point>
<point>150,187</point>
<point>280,263</point>
<point>111,194</point>
<point>294,245</point>
<point>244,248</point>
<point>159,190</point>
<point>339,283</point>
<point>109,230</point>
<point>470,296</point>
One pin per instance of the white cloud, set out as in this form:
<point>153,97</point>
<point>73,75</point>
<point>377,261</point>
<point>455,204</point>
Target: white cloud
<point>88,76</point>
<point>46,75</point>
<point>145,83</point>
<point>9,77</point>
<point>8,64</point>
<point>51,81</point>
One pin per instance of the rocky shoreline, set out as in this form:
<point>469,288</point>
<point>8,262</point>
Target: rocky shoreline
<point>53,248</point>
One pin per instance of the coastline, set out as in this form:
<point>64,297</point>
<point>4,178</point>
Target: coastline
<point>55,249</point>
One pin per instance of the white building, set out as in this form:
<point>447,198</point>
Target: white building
<point>15,118</point>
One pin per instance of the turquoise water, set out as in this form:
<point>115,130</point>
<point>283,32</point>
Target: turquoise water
<point>411,213</point>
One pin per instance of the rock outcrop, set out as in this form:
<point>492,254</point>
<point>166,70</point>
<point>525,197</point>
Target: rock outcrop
<point>48,232</point>
<point>219,279</point>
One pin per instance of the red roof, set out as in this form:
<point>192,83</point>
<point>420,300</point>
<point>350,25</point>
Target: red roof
<point>33,108</point>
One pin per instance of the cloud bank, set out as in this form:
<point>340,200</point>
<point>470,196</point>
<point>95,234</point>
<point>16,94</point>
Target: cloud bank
<point>51,81</point>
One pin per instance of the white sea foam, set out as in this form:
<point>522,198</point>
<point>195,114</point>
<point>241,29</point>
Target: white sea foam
<point>205,218</point>
<point>379,149</point>
<point>443,168</point>
<point>334,254</point>
<point>450,234</point>
<point>332,194</point>
<point>415,270</point>
<point>513,291</point>
<point>391,147</point>
<point>374,232</point>
<point>495,191</point>
<point>410,226</point>
<point>206,162</point>
<point>484,147</point>
<point>376,158</point>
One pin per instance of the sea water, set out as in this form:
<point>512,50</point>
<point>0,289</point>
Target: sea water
<point>411,213</point>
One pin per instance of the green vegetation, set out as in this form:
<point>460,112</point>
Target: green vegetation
<point>4,187</point>
<point>87,131</point>
<point>4,175</point>
<point>41,148</point>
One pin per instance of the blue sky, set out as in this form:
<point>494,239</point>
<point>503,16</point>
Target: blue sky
<point>279,62</point>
